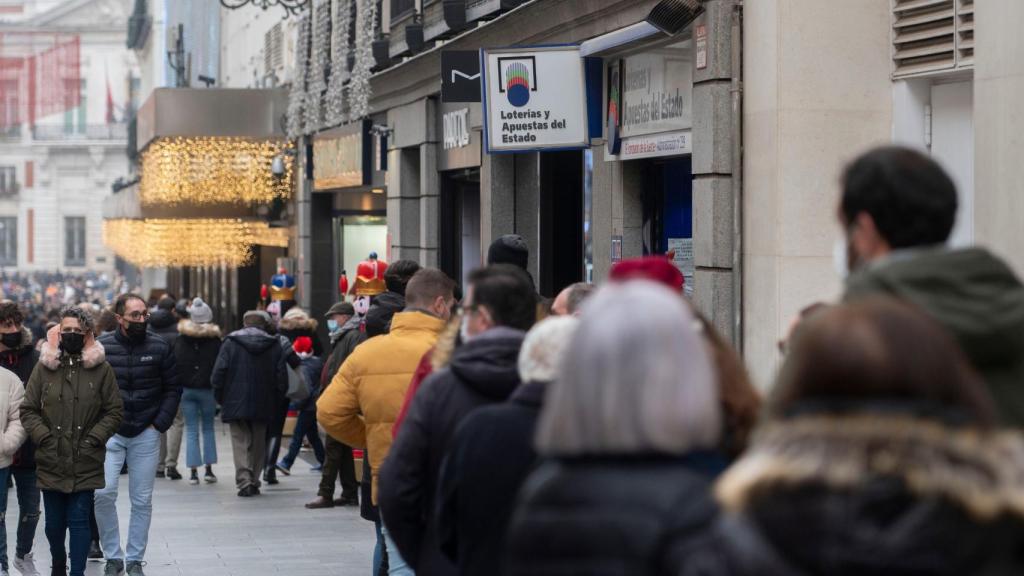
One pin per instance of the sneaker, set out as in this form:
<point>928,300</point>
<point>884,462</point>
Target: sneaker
<point>209,477</point>
<point>135,568</point>
<point>25,564</point>
<point>95,552</point>
<point>317,468</point>
<point>320,502</point>
<point>173,474</point>
<point>194,478</point>
<point>113,568</point>
<point>284,468</point>
<point>159,474</point>
<point>346,501</point>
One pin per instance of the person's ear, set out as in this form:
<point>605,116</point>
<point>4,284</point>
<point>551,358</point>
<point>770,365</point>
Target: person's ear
<point>866,238</point>
<point>485,317</point>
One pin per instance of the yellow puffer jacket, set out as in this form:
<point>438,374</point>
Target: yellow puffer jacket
<point>362,402</point>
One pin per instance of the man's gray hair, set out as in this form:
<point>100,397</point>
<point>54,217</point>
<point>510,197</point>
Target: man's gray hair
<point>544,348</point>
<point>636,379</point>
<point>578,293</point>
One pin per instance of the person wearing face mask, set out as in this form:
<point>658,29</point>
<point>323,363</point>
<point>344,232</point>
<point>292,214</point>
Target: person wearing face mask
<point>18,355</point>
<point>72,407</point>
<point>499,308</point>
<point>361,403</point>
<point>898,208</point>
<point>147,375</point>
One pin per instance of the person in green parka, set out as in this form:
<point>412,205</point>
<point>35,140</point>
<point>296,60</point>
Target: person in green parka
<point>72,407</point>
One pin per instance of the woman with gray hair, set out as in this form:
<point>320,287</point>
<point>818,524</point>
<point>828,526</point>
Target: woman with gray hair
<point>629,433</point>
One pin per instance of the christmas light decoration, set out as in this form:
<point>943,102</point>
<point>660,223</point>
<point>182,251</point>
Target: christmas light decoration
<point>337,91</point>
<point>359,89</point>
<point>189,242</point>
<point>203,171</point>
<point>297,96</point>
<point>319,61</point>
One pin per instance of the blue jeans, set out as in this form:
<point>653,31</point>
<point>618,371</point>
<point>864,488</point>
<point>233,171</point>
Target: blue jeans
<point>199,406</point>
<point>28,510</point>
<point>305,426</point>
<point>69,513</point>
<point>396,565</point>
<point>377,552</point>
<point>142,454</point>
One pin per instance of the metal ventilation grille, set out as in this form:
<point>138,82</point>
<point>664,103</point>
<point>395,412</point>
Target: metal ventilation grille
<point>672,16</point>
<point>932,36</point>
<point>273,49</point>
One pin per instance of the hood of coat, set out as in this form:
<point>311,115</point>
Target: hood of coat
<point>190,329</point>
<point>297,322</point>
<point>254,340</point>
<point>50,355</point>
<point>489,362</point>
<point>383,309</point>
<point>892,485</point>
<point>162,319</point>
<point>971,292</point>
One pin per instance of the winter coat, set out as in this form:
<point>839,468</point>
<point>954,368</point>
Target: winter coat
<point>72,406</point>
<point>976,296</point>
<point>147,375</point>
<point>360,405</point>
<point>12,434</point>
<point>165,324</point>
<point>488,459</point>
<point>22,362</point>
<point>249,374</point>
<point>296,326</point>
<point>482,371</point>
<point>311,367</point>
<point>350,337</point>
<point>611,516</point>
<point>384,308</point>
<point>196,351</point>
<point>870,495</point>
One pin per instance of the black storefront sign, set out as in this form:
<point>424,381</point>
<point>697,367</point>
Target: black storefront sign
<point>460,76</point>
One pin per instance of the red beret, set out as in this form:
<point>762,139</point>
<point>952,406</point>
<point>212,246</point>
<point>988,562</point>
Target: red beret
<point>654,268</point>
<point>303,345</point>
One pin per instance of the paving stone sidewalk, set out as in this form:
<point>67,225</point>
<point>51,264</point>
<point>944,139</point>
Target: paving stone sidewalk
<point>207,529</point>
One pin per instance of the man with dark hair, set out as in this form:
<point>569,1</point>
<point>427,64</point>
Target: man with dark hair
<point>898,208</point>
<point>164,321</point>
<point>500,307</point>
<point>19,355</point>
<point>249,374</point>
<point>386,305</point>
<point>147,376</point>
<point>361,404</point>
<point>569,300</point>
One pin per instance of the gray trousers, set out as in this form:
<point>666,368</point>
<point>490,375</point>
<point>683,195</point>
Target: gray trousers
<point>170,443</point>
<point>249,448</point>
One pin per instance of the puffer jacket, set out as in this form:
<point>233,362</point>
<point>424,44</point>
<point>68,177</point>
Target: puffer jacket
<point>482,371</point>
<point>869,494</point>
<point>165,324</point>
<point>147,375</point>
<point>72,407</point>
<point>12,434</point>
<point>361,404</point>
<point>22,362</point>
<point>250,373</point>
<point>196,351</point>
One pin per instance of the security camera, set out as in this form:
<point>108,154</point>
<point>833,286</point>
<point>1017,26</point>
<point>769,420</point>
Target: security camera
<point>277,166</point>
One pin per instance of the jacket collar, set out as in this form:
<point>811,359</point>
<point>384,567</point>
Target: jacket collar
<point>51,354</point>
<point>530,394</point>
<point>416,321</point>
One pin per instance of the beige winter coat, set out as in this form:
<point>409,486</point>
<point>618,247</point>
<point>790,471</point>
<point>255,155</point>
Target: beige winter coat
<point>12,434</point>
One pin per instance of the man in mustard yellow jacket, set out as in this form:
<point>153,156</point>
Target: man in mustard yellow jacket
<point>362,402</point>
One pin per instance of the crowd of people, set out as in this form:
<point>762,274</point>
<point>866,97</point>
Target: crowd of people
<point>610,430</point>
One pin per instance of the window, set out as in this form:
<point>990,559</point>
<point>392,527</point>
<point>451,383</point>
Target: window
<point>932,36</point>
<point>400,8</point>
<point>74,241</point>
<point>9,241</point>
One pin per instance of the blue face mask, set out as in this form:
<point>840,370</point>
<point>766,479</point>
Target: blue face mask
<point>332,325</point>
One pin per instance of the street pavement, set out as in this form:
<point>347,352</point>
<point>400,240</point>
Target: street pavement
<point>207,529</point>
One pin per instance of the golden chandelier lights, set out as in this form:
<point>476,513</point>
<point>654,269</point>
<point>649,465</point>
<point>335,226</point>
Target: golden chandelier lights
<point>213,170</point>
<point>194,242</point>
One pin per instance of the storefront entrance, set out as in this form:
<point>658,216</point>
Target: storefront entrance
<point>460,223</point>
<point>668,211</point>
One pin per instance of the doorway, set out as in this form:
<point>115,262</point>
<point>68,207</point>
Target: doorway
<point>460,224</point>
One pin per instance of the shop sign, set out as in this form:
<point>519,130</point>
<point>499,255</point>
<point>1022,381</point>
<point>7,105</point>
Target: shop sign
<point>534,99</point>
<point>701,35</point>
<point>655,145</point>
<point>456,129</point>
<point>614,116</point>
<point>460,76</point>
<point>657,91</point>
<point>342,157</point>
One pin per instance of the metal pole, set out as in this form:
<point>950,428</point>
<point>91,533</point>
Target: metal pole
<point>736,91</point>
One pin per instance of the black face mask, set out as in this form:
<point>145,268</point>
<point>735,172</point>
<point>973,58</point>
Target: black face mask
<point>12,341</point>
<point>72,343</point>
<point>136,331</point>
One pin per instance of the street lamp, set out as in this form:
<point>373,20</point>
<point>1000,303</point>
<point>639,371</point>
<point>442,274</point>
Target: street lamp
<point>291,7</point>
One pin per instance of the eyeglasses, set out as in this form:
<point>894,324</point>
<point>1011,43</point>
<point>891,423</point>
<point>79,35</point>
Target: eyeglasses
<point>137,316</point>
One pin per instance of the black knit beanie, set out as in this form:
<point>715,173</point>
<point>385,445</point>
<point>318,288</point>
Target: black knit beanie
<point>509,249</point>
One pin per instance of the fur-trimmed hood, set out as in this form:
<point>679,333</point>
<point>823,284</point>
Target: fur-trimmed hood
<point>296,321</point>
<point>980,473</point>
<point>50,354</point>
<point>199,331</point>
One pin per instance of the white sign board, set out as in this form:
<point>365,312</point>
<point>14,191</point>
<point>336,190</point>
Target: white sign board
<point>534,99</point>
<point>657,91</point>
<point>456,129</point>
<point>682,257</point>
<point>657,145</point>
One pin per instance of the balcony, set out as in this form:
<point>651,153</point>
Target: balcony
<point>8,182</point>
<point>93,132</point>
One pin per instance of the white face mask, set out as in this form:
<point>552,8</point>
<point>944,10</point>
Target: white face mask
<point>840,258</point>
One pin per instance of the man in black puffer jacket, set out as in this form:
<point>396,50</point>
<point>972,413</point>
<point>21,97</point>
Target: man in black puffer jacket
<point>148,378</point>
<point>500,307</point>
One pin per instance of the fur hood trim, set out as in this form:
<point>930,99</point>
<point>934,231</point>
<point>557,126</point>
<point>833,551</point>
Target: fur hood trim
<point>982,472</point>
<point>50,354</point>
<point>193,330</point>
<point>298,322</point>
<point>445,346</point>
